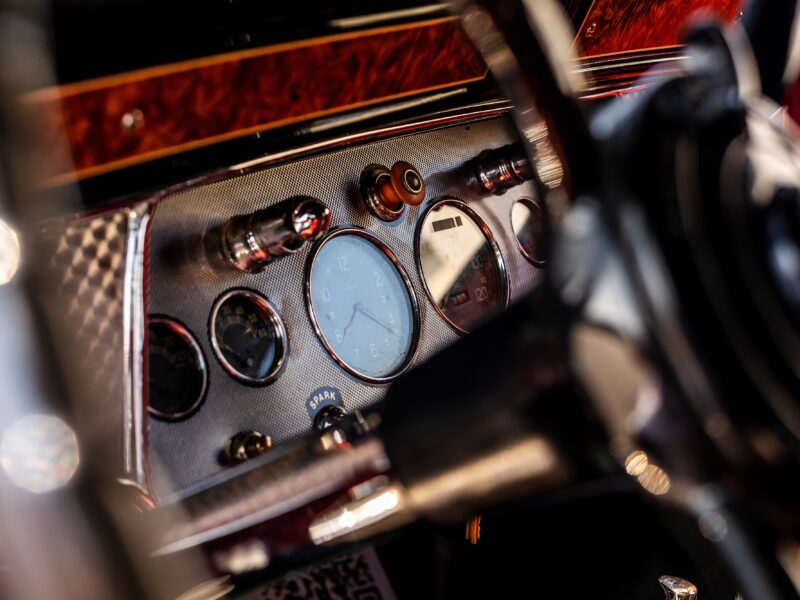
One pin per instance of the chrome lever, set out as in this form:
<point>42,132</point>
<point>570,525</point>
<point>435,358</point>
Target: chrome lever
<point>676,588</point>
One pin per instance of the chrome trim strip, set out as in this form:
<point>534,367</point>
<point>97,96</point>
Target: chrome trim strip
<point>625,56</point>
<point>611,76</point>
<point>632,89</point>
<point>632,63</point>
<point>282,340</point>
<point>134,424</point>
<point>488,235</point>
<point>496,108</point>
<point>412,296</point>
<point>363,115</point>
<point>375,18</point>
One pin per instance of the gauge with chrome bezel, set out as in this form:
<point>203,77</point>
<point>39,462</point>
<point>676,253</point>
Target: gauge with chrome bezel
<point>460,264</point>
<point>248,336</point>
<point>528,225</point>
<point>362,305</point>
<point>177,377</point>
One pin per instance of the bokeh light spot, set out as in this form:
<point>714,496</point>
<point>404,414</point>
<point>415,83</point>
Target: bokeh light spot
<point>9,252</point>
<point>39,453</point>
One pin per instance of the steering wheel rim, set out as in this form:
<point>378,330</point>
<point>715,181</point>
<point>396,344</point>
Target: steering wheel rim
<point>521,57</point>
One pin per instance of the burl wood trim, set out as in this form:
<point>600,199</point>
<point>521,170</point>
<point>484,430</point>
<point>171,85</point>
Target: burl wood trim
<point>199,102</point>
<point>618,26</point>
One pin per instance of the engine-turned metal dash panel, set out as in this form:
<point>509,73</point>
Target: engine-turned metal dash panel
<point>184,284</point>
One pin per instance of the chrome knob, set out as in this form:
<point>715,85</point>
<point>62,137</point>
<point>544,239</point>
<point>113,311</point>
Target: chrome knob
<point>250,242</point>
<point>498,170</point>
<point>387,191</point>
<point>328,417</point>
<point>246,445</point>
<point>676,588</point>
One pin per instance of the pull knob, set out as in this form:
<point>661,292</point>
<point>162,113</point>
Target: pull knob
<point>501,169</point>
<point>246,445</point>
<point>250,242</point>
<point>387,191</point>
<point>676,588</point>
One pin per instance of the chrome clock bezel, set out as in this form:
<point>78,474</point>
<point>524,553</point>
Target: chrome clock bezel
<point>487,233</point>
<point>182,331</point>
<point>281,337</point>
<point>392,256</point>
<point>532,205</point>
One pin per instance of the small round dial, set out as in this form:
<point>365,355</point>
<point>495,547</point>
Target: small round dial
<point>527,221</point>
<point>177,376</point>
<point>460,264</point>
<point>248,336</point>
<point>362,305</point>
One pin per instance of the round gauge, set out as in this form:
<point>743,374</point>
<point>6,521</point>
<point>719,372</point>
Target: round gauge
<point>460,264</point>
<point>248,336</point>
<point>362,305</point>
<point>176,375</point>
<point>527,221</point>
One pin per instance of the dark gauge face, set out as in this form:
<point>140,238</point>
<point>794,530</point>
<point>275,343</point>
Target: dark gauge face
<point>527,221</point>
<point>361,304</point>
<point>460,264</point>
<point>248,336</point>
<point>177,376</point>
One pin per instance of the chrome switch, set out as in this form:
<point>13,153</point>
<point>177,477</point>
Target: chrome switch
<point>246,445</point>
<point>498,170</point>
<point>676,588</point>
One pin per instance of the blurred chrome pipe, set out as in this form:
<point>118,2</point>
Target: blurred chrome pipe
<point>265,489</point>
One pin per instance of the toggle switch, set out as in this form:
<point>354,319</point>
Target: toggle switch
<point>386,192</point>
<point>246,445</point>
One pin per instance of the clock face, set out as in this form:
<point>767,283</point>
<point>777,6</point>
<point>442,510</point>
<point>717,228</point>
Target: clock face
<point>362,305</point>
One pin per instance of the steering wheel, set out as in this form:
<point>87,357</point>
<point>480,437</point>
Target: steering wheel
<point>674,260</point>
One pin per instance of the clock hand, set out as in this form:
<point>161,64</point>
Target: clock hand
<point>370,315</point>
<point>349,325</point>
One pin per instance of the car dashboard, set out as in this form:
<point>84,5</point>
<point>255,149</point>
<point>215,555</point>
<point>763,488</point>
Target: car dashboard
<point>187,283</point>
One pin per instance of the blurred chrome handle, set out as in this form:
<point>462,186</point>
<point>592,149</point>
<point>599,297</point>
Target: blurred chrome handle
<point>676,588</point>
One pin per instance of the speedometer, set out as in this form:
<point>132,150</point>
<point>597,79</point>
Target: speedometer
<point>362,305</point>
<point>460,264</point>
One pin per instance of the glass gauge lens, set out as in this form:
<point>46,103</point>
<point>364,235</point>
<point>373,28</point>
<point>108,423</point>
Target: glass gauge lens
<point>177,376</point>
<point>527,221</point>
<point>248,336</point>
<point>460,264</point>
<point>361,304</point>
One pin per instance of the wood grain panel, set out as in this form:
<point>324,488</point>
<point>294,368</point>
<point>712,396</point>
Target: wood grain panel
<point>199,102</point>
<point>613,26</point>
